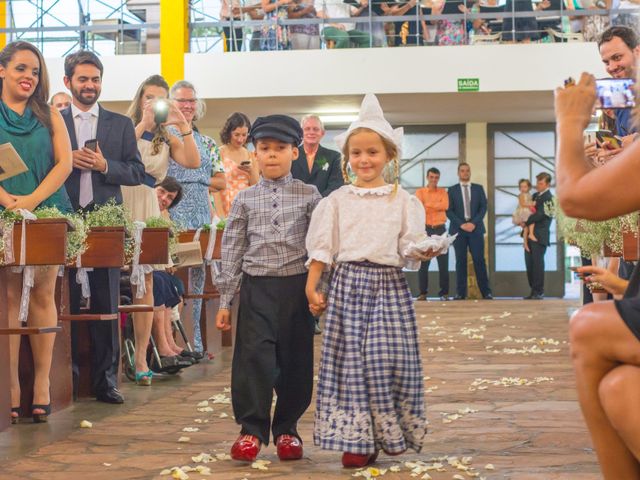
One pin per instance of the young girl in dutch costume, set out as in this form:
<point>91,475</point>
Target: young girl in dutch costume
<point>370,393</point>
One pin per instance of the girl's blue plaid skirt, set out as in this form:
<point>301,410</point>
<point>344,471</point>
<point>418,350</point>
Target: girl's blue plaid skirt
<point>370,392</point>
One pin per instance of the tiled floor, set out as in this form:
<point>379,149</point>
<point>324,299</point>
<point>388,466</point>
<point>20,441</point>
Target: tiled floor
<point>532,431</point>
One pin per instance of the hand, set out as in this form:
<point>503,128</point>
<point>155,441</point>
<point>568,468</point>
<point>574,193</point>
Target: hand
<point>283,2</point>
<point>175,117</point>
<point>317,303</point>
<point>574,104</point>
<point>428,255</point>
<point>147,119</point>
<point>28,202</point>
<point>364,3</point>
<point>245,168</point>
<point>591,149</point>
<point>609,280</point>
<point>223,320</point>
<point>628,140</point>
<point>468,227</point>
<point>605,154</point>
<point>86,159</point>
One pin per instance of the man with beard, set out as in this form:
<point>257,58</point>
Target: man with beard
<point>105,156</point>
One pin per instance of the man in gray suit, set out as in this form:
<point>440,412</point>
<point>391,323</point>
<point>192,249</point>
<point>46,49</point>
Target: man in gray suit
<point>105,156</point>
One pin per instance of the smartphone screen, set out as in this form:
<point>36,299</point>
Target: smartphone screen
<point>615,93</point>
<point>91,144</point>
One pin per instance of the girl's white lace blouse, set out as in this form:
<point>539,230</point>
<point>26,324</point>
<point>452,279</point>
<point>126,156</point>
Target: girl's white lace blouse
<point>366,224</point>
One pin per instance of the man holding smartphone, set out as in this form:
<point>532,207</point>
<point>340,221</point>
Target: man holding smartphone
<point>620,52</point>
<point>105,156</point>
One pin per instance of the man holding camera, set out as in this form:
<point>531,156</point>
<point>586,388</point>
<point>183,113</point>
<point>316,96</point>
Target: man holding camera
<point>105,156</point>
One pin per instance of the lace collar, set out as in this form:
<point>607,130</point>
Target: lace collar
<point>383,190</point>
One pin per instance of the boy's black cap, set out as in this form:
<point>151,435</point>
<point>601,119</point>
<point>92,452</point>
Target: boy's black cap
<point>278,127</point>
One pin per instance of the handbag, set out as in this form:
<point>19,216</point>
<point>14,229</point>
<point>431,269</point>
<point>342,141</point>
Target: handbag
<point>189,254</point>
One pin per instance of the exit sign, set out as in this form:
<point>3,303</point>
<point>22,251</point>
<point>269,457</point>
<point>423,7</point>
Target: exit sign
<point>468,84</point>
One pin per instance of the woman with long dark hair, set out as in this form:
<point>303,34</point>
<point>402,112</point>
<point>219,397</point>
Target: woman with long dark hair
<point>39,135</point>
<point>239,168</point>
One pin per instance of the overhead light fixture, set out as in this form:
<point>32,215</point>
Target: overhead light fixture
<point>329,119</point>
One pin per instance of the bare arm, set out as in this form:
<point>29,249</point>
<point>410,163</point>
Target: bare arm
<point>267,6</point>
<point>218,182</point>
<point>593,194</point>
<point>316,299</point>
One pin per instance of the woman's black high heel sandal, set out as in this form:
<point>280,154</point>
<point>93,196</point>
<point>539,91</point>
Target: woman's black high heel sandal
<point>40,417</point>
<point>18,415</point>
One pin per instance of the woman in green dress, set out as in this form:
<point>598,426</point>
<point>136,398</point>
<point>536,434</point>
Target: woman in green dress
<point>39,135</point>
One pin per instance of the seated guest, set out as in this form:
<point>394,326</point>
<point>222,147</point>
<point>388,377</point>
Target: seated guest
<point>38,134</point>
<point>375,8</point>
<point>605,336</point>
<point>341,35</point>
<point>167,288</point>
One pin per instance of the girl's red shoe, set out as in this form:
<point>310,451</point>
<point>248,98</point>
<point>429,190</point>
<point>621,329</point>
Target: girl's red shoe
<point>355,460</point>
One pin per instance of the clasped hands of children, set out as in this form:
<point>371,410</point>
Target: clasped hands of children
<point>317,300</point>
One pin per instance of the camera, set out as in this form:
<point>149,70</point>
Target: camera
<point>160,111</point>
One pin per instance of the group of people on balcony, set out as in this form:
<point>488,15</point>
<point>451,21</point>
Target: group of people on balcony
<point>274,35</point>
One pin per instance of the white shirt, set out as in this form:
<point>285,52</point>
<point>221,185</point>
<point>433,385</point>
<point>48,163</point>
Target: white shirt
<point>335,9</point>
<point>366,224</point>
<point>94,111</point>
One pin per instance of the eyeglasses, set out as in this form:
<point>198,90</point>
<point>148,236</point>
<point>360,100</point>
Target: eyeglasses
<point>186,100</point>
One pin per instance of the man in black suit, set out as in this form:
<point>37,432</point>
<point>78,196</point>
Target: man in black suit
<point>317,165</point>
<point>534,255</point>
<point>99,170</point>
<point>467,208</point>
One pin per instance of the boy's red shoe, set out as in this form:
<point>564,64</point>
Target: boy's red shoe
<point>246,448</point>
<point>289,447</point>
<point>355,460</point>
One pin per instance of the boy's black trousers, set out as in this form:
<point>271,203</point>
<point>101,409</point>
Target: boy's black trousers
<point>273,350</point>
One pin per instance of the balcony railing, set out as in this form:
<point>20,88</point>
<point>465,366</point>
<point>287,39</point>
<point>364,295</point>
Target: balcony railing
<point>120,29</point>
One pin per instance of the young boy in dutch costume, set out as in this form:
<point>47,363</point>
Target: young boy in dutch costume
<point>263,251</point>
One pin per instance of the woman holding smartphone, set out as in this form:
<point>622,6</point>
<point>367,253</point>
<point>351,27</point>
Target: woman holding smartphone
<point>151,113</point>
<point>39,135</point>
<point>195,209</point>
<point>240,170</point>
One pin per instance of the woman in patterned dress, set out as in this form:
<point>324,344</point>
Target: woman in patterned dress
<point>239,168</point>
<point>195,209</point>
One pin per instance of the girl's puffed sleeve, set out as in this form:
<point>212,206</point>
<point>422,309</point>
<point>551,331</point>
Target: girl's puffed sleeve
<point>413,230</point>
<point>322,237</point>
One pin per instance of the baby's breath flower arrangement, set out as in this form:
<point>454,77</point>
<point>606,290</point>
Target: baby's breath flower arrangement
<point>591,236</point>
<point>174,230</point>
<point>112,214</point>
<point>76,238</point>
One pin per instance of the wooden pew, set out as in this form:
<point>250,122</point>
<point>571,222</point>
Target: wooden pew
<point>45,245</point>
<point>105,249</point>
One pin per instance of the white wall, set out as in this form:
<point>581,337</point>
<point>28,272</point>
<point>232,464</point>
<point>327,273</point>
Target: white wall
<point>500,68</point>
